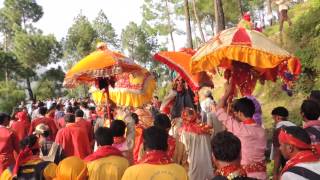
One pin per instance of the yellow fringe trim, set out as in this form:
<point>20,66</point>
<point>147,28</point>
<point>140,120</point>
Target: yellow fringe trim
<point>224,56</point>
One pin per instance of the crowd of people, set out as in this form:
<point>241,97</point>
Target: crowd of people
<point>73,139</point>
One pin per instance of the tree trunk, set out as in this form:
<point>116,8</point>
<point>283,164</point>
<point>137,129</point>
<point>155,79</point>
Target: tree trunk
<point>219,16</point>
<point>211,22</point>
<point>188,25</point>
<point>240,7</point>
<point>269,11</point>
<point>195,38</point>
<point>29,89</point>
<point>198,21</point>
<point>170,26</point>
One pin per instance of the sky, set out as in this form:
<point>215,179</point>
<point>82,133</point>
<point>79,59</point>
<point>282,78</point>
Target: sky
<point>59,14</point>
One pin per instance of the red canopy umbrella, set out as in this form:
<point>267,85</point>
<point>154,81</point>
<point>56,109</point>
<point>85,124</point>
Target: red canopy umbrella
<point>180,62</point>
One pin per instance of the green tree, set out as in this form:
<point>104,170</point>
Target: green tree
<point>304,36</point>
<point>139,45</point>
<point>13,93</point>
<point>105,31</point>
<point>80,39</point>
<point>157,18</point>
<point>34,50</point>
<point>22,12</point>
<point>50,84</point>
<point>8,63</point>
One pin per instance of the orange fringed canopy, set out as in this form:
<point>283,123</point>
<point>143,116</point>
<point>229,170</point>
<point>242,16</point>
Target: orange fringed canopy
<point>180,61</point>
<point>100,63</point>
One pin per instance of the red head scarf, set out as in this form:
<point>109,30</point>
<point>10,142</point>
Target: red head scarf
<point>246,16</point>
<point>22,116</point>
<point>289,139</point>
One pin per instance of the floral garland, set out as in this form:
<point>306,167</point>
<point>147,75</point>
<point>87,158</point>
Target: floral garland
<point>231,171</point>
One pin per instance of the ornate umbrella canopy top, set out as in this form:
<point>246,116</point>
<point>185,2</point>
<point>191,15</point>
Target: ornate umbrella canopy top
<point>248,56</point>
<point>101,63</point>
<point>243,45</point>
<point>180,62</point>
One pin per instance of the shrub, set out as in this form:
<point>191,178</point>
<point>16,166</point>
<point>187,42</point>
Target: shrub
<point>10,95</point>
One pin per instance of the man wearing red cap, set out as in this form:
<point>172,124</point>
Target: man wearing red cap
<point>303,162</point>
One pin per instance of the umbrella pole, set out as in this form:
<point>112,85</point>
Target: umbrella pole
<point>108,107</point>
<point>106,113</point>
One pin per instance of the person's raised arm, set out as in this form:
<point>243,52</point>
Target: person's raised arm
<point>227,92</point>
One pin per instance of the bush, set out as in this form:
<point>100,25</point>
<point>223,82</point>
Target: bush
<point>10,95</point>
<point>304,35</point>
<point>45,90</point>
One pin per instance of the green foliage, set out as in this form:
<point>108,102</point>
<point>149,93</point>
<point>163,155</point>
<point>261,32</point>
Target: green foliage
<point>11,94</point>
<point>231,11</point>
<point>139,45</point>
<point>80,37</point>
<point>36,49</point>
<point>50,84</point>
<point>21,12</point>
<point>5,26</point>
<point>204,9</point>
<point>54,75</point>
<point>78,92</point>
<point>304,36</point>
<point>105,31</point>
<point>162,91</point>
<point>155,16</point>
<point>272,92</point>
<point>45,89</point>
<point>8,63</point>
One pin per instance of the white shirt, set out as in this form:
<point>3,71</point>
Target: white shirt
<point>285,124</point>
<point>314,167</point>
<point>283,4</point>
<point>206,105</point>
<point>49,104</point>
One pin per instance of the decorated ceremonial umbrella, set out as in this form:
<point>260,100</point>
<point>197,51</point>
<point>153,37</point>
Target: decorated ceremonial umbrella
<point>180,61</point>
<point>102,63</point>
<point>130,89</point>
<point>248,56</point>
<point>106,70</point>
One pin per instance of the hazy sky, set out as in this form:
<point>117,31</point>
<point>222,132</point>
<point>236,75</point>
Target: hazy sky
<point>59,14</point>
